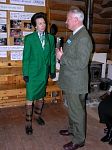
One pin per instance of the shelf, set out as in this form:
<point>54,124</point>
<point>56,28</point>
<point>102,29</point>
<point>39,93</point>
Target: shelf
<point>3,67</point>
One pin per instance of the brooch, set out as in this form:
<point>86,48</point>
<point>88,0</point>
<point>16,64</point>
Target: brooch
<point>69,41</point>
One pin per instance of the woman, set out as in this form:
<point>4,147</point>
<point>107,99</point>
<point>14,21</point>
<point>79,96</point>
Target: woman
<point>105,115</point>
<point>38,57</point>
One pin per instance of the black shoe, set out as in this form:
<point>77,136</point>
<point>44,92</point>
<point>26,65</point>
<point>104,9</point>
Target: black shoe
<point>105,138</point>
<point>110,141</point>
<point>29,130</point>
<point>71,146</point>
<point>40,121</point>
<point>110,136</point>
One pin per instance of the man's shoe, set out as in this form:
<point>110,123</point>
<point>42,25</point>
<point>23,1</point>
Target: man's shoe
<point>110,141</point>
<point>105,138</point>
<point>29,130</point>
<point>64,132</point>
<point>40,121</point>
<point>71,146</point>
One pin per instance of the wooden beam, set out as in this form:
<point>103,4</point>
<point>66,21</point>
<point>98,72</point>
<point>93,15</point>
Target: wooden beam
<point>97,8</point>
<point>98,20</point>
<point>100,28</point>
<point>102,48</point>
<point>106,13</point>
<point>65,6</point>
<point>98,1</point>
<point>107,3</point>
<point>101,38</point>
<point>57,15</point>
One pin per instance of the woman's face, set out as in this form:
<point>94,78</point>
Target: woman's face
<point>40,25</point>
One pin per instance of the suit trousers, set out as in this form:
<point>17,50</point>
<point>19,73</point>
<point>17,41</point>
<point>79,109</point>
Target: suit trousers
<point>77,116</point>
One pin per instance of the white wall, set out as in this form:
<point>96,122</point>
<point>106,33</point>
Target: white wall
<point>101,57</point>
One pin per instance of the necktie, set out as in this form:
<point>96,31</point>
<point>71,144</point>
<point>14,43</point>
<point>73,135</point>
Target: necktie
<point>42,39</point>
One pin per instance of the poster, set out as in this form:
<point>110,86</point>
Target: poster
<point>3,54</point>
<point>3,14</point>
<point>29,2</point>
<point>11,48</point>
<point>4,1</point>
<point>11,7</point>
<point>16,55</point>
<point>20,15</point>
<point>2,21</point>
<point>3,35</point>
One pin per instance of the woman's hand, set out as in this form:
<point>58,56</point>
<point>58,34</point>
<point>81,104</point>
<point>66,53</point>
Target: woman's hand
<point>26,78</point>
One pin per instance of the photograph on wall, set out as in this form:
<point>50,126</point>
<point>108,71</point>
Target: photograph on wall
<point>18,41</point>
<point>16,55</point>
<point>3,28</point>
<point>15,24</point>
<point>27,26</point>
<point>3,14</point>
<point>3,41</point>
<point>16,33</point>
<point>3,54</point>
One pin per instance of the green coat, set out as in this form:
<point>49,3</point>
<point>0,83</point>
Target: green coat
<point>73,76</point>
<point>36,62</point>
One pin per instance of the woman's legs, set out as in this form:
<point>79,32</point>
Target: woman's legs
<point>38,107</point>
<point>29,113</point>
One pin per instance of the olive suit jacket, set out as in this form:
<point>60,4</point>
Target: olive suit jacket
<point>36,62</point>
<point>73,76</point>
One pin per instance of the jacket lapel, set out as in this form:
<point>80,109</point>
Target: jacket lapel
<point>77,33</point>
<point>38,44</point>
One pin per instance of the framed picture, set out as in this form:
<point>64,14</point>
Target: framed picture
<point>16,33</point>
<point>27,26</point>
<point>3,28</point>
<point>18,41</point>
<point>3,41</point>
<point>17,24</point>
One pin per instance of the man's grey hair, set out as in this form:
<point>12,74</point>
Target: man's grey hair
<point>77,13</point>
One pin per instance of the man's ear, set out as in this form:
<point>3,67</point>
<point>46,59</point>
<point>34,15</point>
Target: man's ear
<point>75,19</point>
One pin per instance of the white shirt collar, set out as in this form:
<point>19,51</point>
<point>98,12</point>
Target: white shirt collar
<point>74,32</point>
<point>39,33</point>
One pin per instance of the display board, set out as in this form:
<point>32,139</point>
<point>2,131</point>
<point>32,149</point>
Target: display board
<point>14,25</point>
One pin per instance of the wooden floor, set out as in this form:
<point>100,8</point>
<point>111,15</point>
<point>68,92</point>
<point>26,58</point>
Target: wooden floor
<point>13,137</point>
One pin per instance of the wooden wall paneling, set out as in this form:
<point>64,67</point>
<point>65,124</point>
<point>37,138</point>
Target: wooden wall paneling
<point>101,48</point>
<point>98,20</point>
<point>65,6</point>
<point>101,38</point>
<point>107,3</point>
<point>97,8</point>
<point>106,13</point>
<point>57,15</point>
<point>101,28</point>
<point>98,1</point>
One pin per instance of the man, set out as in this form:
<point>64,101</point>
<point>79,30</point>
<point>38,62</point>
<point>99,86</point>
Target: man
<point>73,77</point>
<point>105,114</point>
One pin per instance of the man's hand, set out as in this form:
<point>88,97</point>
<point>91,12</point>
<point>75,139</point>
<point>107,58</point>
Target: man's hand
<point>59,53</point>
